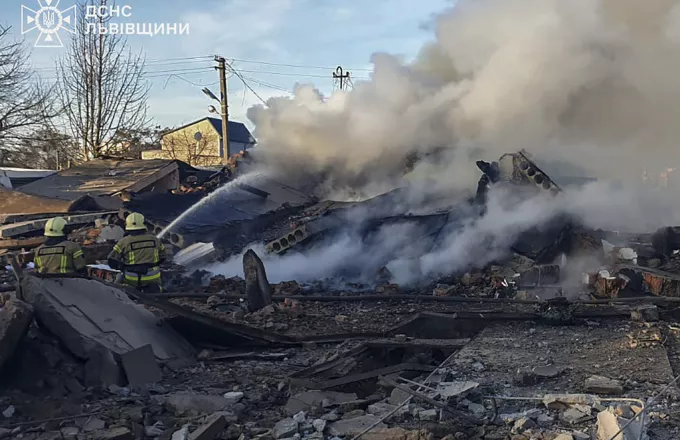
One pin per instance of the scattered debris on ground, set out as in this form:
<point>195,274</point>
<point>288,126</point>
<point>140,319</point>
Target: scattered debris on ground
<point>516,349</point>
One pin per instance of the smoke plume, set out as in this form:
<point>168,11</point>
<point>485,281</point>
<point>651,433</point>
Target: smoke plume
<point>589,81</point>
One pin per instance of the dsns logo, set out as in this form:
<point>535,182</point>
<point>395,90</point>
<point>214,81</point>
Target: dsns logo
<point>48,20</point>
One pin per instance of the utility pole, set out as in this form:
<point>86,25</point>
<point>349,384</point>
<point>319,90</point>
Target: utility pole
<point>343,78</point>
<point>222,67</point>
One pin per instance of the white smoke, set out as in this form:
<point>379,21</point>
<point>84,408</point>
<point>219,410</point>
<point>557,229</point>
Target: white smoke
<point>409,255</point>
<point>590,82</point>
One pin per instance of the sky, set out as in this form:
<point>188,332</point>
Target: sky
<point>316,36</point>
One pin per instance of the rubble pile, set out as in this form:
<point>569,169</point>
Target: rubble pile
<point>529,346</point>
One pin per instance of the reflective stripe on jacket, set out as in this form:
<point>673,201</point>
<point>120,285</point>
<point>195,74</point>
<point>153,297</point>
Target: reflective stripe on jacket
<point>63,258</point>
<point>140,256</point>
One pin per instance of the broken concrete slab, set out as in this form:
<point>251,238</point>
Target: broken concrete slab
<point>211,428</point>
<point>141,367</point>
<point>119,433</point>
<point>455,389</point>
<point>258,289</point>
<point>607,426</point>
<point>196,255</point>
<point>78,312</point>
<point>285,428</point>
<point>15,318</point>
<point>185,403</point>
<point>354,426</point>
<point>645,313</point>
<point>309,399</point>
<point>398,434</point>
<point>562,401</point>
<point>576,414</point>
<point>603,385</point>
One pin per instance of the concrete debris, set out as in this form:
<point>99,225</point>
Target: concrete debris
<point>576,414</point>
<point>119,433</point>
<point>197,255</point>
<point>180,434</point>
<point>561,401</point>
<point>285,428</point>
<point>211,428</point>
<point>233,397</point>
<point>155,430</point>
<point>189,403</point>
<point>15,318</point>
<point>93,424</point>
<point>310,399</point>
<point>78,311</point>
<point>346,427</point>
<point>398,434</point>
<point>603,385</point>
<point>258,289</point>
<point>110,234</point>
<point>8,413</point>
<point>455,389</point>
<point>608,426</point>
<point>428,415</point>
<point>319,425</point>
<point>141,367</point>
<point>288,349</point>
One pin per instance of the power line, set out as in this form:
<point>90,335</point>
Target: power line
<point>186,80</point>
<point>248,85</point>
<point>153,63</point>
<point>301,66</point>
<point>269,85</point>
<point>288,74</point>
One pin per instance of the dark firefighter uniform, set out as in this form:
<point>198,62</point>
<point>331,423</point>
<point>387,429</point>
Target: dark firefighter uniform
<point>138,255</point>
<point>58,255</point>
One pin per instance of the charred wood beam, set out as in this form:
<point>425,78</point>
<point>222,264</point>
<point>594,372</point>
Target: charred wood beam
<point>306,383</point>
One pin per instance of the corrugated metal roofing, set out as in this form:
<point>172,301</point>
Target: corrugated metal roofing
<point>96,177</point>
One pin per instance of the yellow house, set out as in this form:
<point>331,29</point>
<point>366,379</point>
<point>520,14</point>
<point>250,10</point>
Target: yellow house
<point>200,143</point>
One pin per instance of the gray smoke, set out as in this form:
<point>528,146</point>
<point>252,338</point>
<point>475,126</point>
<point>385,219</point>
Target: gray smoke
<point>589,82</point>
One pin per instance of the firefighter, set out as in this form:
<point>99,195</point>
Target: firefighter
<point>58,255</point>
<point>138,255</point>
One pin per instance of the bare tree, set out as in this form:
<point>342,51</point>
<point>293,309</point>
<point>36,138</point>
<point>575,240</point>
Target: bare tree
<point>43,148</point>
<point>101,87</point>
<point>24,104</point>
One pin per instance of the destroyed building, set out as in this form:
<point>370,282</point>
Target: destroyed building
<point>494,351</point>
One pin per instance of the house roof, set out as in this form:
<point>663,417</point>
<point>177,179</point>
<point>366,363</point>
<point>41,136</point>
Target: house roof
<point>238,132</point>
<point>14,202</point>
<point>100,177</point>
<point>240,203</point>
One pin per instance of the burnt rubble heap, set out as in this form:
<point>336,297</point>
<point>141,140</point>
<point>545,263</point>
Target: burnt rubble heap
<point>524,347</point>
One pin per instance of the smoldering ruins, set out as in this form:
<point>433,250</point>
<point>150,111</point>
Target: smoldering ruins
<point>482,243</point>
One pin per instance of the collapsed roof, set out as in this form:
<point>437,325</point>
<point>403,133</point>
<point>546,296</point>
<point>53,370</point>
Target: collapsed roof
<point>105,177</point>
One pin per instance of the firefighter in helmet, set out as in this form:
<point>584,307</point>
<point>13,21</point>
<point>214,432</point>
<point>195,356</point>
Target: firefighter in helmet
<point>58,255</point>
<point>138,255</point>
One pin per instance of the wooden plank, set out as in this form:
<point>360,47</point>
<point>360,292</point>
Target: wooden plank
<point>17,229</point>
<point>316,369</point>
<point>27,243</point>
<point>17,218</point>
<point>361,376</point>
<point>149,180</point>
